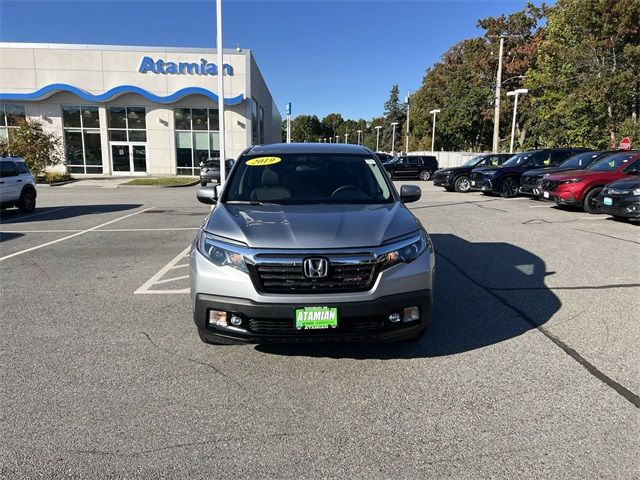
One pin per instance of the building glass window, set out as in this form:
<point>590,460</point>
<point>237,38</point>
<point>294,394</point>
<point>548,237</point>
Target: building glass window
<point>197,138</point>
<point>127,124</point>
<point>10,117</point>
<point>83,149</point>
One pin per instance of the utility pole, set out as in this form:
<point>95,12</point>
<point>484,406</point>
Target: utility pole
<point>407,137</point>
<point>496,116</point>
<point>223,153</point>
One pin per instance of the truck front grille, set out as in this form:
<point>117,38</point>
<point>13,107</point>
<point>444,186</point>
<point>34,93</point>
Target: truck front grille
<point>287,276</point>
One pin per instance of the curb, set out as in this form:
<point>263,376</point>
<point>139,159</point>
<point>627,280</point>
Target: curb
<point>196,182</point>
<point>56,184</point>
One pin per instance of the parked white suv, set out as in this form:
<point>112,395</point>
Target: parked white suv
<point>17,185</point>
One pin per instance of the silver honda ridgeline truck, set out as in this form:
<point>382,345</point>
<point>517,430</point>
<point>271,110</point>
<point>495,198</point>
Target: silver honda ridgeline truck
<point>310,242</point>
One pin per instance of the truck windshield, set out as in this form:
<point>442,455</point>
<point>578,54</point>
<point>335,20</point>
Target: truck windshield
<point>301,179</point>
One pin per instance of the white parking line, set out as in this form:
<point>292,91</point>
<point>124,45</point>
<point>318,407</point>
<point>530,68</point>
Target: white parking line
<point>68,237</point>
<point>157,278</point>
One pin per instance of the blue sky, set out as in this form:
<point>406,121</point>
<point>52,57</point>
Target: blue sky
<point>323,56</point>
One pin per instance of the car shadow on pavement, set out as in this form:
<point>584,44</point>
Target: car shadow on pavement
<point>45,214</point>
<point>485,293</point>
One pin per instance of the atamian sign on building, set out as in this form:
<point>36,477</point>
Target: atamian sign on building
<point>148,64</point>
<point>136,110</point>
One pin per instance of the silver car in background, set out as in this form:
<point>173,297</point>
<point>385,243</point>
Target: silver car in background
<point>310,242</point>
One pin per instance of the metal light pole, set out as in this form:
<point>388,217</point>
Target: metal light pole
<point>223,152</point>
<point>515,93</point>
<point>433,130</point>
<point>378,127</point>
<point>393,137</point>
<point>496,114</point>
<point>346,138</point>
<point>337,139</point>
<point>289,122</point>
<point>407,136</point>
<point>359,136</point>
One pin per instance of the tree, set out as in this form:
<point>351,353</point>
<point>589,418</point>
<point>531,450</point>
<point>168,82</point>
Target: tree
<point>394,111</point>
<point>305,128</point>
<point>585,83</point>
<point>331,123</point>
<point>39,149</point>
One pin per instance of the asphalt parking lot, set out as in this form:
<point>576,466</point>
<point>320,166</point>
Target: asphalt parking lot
<point>530,369</point>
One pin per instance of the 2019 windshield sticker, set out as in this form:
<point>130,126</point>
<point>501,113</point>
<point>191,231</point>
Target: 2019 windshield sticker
<point>263,161</point>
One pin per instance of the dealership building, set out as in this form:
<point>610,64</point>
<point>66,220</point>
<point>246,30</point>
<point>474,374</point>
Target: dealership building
<point>136,110</point>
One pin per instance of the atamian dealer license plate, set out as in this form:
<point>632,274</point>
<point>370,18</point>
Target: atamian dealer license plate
<point>309,318</point>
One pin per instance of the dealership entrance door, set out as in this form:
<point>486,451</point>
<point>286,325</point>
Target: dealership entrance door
<point>128,158</point>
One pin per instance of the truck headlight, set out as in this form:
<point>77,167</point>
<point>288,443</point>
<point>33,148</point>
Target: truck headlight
<point>407,253</point>
<point>219,253</point>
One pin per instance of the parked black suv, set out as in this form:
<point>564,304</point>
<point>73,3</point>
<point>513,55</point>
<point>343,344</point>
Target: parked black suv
<point>412,166</point>
<point>384,157</point>
<point>505,179</point>
<point>458,177</point>
<point>210,170</point>
<point>531,181</point>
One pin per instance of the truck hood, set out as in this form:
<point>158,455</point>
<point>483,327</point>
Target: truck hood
<point>311,226</point>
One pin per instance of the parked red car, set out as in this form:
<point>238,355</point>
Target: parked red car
<point>582,187</point>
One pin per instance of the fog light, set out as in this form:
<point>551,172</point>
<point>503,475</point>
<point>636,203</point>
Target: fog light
<point>236,321</point>
<point>394,317</point>
<point>217,317</point>
<point>410,314</point>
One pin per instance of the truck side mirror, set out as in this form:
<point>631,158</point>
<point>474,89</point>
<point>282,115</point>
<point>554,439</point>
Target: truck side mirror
<point>410,193</point>
<point>208,195</point>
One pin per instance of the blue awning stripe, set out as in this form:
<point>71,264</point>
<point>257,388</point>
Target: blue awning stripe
<point>49,90</point>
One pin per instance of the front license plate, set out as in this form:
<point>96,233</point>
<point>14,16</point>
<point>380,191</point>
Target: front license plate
<point>545,194</point>
<point>311,318</point>
<point>607,201</point>
<point>473,183</point>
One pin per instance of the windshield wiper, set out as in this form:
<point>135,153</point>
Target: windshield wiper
<point>249,202</point>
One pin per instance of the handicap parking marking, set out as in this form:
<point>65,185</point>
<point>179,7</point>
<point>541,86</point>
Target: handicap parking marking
<point>173,269</point>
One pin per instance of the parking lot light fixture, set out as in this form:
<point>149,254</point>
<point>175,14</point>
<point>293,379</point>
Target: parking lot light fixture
<point>433,130</point>
<point>346,138</point>
<point>378,127</point>
<point>393,137</point>
<point>359,136</point>
<point>337,139</point>
<point>515,93</point>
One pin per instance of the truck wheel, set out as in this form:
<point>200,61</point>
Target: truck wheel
<point>508,188</point>
<point>27,202</point>
<point>462,184</point>
<point>425,175</point>
<point>590,204</point>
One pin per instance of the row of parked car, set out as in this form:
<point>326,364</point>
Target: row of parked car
<point>596,181</point>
